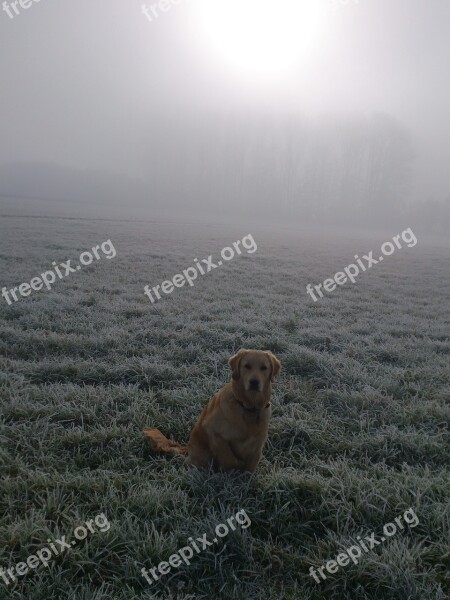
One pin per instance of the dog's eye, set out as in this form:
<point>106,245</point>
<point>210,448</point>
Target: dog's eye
<point>247,367</point>
<point>264,368</point>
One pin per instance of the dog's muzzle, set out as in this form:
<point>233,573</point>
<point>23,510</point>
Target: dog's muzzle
<point>254,385</point>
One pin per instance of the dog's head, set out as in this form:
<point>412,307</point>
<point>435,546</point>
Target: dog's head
<point>253,371</point>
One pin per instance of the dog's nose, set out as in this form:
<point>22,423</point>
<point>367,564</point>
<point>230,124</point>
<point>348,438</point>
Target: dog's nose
<point>254,384</point>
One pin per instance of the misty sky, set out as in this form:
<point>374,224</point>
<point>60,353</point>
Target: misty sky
<point>86,82</point>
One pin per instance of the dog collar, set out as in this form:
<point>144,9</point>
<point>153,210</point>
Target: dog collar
<point>251,410</point>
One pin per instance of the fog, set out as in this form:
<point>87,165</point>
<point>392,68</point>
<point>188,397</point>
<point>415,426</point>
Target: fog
<point>103,107</point>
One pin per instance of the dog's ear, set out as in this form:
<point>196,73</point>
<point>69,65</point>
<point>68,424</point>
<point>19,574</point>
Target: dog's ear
<point>275,364</point>
<point>235,364</point>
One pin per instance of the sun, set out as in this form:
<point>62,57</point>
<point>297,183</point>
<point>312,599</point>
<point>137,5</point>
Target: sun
<point>263,36</point>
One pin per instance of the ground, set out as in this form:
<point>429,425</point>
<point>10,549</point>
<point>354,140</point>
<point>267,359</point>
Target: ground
<point>359,414</point>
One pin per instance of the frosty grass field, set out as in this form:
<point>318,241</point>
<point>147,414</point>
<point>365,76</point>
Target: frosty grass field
<point>357,436</point>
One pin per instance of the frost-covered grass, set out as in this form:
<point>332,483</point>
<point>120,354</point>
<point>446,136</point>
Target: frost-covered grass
<point>357,436</point>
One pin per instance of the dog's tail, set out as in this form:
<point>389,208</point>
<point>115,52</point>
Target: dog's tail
<point>159,443</point>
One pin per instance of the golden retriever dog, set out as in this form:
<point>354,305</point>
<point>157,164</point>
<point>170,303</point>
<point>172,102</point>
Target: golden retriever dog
<point>231,430</point>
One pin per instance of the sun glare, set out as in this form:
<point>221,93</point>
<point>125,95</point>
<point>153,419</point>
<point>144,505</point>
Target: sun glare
<point>263,36</point>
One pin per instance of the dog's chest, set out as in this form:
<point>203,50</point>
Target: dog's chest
<point>252,435</point>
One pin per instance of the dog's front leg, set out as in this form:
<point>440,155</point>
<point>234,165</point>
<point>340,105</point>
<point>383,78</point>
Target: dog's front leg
<point>224,457</point>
